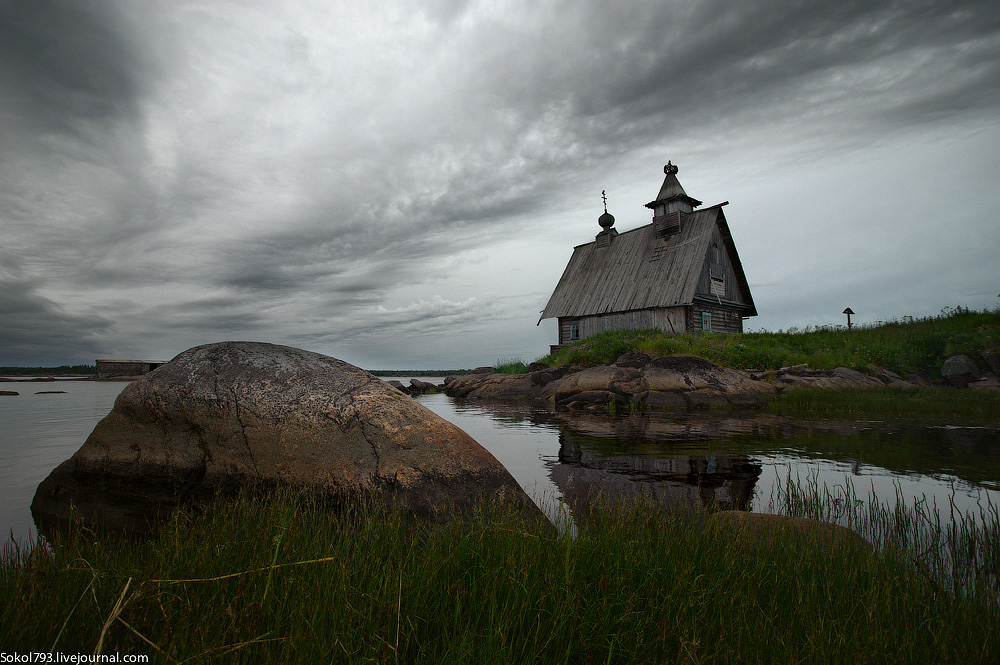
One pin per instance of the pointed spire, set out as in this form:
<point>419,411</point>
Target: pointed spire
<point>671,186</point>
<point>672,196</point>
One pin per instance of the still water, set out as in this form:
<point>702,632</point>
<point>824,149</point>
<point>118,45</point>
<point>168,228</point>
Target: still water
<point>726,459</point>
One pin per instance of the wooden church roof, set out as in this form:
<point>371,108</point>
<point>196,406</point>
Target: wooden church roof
<point>639,270</point>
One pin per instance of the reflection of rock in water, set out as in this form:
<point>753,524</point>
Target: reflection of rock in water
<point>583,475</point>
<point>981,440</point>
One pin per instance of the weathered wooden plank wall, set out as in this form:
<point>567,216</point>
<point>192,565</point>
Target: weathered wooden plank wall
<point>668,319</point>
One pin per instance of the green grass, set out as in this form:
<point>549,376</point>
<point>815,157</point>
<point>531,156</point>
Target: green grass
<point>909,345</point>
<point>924,405</point>
<point>510,366</point>
<point>281,579</point>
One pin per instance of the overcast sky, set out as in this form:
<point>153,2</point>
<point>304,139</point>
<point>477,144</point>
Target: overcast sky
<point>401,186</point>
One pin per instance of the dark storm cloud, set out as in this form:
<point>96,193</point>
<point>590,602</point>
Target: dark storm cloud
<point>36,329</point>
<point>647,69</point>
<point>66,60</point>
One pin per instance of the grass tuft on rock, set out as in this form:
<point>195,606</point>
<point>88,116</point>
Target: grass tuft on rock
<point>510,366</point>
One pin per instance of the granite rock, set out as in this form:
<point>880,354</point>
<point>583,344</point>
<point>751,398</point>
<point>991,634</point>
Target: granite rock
<point>225,416</point>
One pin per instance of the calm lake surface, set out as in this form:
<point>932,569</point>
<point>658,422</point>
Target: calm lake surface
<point>728,459</point>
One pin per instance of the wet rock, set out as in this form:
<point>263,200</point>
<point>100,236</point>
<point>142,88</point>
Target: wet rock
<point>675,382</point>
<point>602,378</point>
<point>503,386</point>
<point>543,377</point>
<point>589,398</point>
<point>986,383</point>
<point>960,371</point>
<point>755,529</point>
<point>891,379</point>
<point>416,385</point>
<point>235,414</point>
<point>399,386</point>
<point>685,373</point>
<point>918,380</point>
<point>841,377</point>
<point>992,360</point>
<point>654,399</point>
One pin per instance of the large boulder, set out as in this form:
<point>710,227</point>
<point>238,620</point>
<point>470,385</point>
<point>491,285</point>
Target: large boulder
<point>224,416</point>
<point>960,371</point>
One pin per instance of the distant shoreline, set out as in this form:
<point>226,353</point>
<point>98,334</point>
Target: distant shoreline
<point>44,374</point>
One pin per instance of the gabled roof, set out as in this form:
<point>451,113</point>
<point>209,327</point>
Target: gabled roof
<point>639,271</point>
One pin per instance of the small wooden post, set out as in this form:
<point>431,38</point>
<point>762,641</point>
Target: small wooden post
<point>848,312</point>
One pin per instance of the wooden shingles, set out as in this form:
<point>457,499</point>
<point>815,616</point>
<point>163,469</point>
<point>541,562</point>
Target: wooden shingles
<point>637,270</point>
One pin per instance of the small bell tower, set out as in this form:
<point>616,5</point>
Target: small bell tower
<point>672,204</point>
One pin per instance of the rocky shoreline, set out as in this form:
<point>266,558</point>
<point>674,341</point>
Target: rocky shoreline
<point>637,381</point>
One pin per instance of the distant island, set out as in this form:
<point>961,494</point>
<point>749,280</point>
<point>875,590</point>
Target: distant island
<point>62,370</point>
<point>91,370</point>
<point>418,372</point>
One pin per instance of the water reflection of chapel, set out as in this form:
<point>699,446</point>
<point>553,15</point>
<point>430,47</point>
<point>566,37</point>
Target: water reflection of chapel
<point>622,458</point>
<point>681,273</point>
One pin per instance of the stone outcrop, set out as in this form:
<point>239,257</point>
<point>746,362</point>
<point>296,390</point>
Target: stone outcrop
<point>484,385</point>
<point>671,382</point>
<point>418,386</point>
<point>960,371</point>
<point>840,377</point>
<point>989,382</point>
<point>992,360</point>
<point>399,386</point>
<point>234,414</point>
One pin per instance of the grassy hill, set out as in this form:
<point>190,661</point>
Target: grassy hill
<point>909,345</point>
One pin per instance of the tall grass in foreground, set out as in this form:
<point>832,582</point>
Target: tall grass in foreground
<point>958,554</point>
<point>281,579</point>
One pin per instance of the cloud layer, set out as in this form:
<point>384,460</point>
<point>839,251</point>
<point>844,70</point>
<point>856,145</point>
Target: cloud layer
<point>400,186</point>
